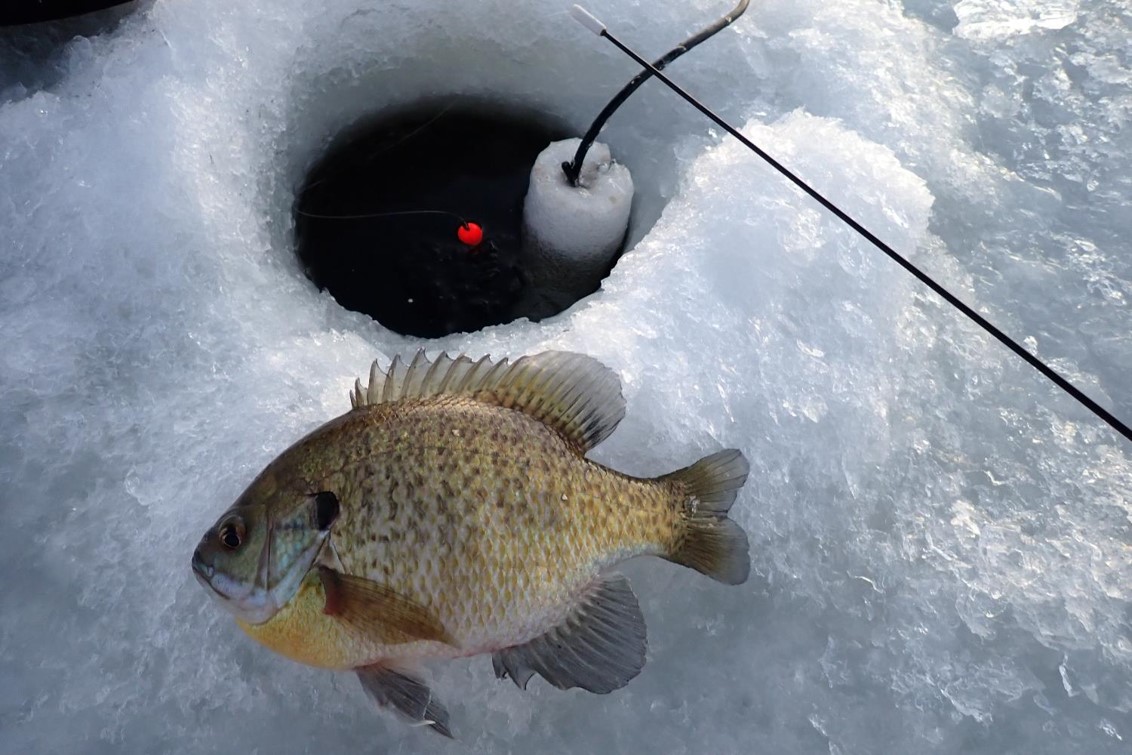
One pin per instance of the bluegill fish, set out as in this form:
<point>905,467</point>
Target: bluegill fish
<point>452,512</point>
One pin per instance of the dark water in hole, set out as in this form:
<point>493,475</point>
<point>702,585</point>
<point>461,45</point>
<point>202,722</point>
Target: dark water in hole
<point>16,12</point>
<point>411,272</point>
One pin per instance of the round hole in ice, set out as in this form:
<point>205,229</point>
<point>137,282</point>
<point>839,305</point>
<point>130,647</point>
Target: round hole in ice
<point>387,219</point>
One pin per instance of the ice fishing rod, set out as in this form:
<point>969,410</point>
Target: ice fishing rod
<point>574,168</point>
<point>588,20</point>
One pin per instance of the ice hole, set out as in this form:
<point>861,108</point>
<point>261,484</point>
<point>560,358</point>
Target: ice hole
<point>378,218</point>
<point>93,13</point>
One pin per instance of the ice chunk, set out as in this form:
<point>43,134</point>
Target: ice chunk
<point>995,19</point>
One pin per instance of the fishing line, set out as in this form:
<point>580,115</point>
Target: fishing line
<point>469,233</point>
<point>574,168</point>
<point>385,147</point>
<point>588,20</point>
<point>363,216</point>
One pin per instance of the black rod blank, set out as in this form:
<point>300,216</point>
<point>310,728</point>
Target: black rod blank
<point>591,23</point>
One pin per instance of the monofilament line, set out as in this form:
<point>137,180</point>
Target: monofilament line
<point>588,20</point>
<point>368,215</point>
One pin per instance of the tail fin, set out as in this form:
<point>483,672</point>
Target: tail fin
<point>711,543</point>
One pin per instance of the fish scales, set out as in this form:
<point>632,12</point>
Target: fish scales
<point>487,517</point>
<point>453,512</point>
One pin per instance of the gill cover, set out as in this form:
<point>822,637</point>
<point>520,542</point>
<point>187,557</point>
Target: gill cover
<point>255,557</point>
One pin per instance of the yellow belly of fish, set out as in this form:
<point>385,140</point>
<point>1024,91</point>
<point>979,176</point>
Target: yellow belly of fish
<point>303,633</point>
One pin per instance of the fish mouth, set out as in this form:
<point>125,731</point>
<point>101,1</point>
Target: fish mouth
<point>204,573</point>
<point>251,607</point>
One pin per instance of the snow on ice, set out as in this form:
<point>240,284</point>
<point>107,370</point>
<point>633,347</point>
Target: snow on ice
<point>941,540</point>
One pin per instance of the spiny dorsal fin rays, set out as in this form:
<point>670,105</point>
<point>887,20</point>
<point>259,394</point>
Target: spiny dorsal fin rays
<point>418,370</point>
<point>391,385</point>
<point>575,394</point>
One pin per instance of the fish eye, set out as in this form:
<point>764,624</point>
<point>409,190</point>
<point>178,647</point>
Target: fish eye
<point>231,534</point>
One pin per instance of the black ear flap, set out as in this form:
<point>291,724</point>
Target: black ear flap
<point>325,509</point>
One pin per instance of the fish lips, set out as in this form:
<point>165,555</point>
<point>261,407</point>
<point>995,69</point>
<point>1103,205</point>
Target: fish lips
<point>208,578</point>
<point>202,571</point>
<point>235,597</point>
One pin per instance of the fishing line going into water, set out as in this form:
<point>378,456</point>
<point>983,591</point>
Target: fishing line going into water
<point>469,233</point>
<point>588,20</point>
<point>388,147</point>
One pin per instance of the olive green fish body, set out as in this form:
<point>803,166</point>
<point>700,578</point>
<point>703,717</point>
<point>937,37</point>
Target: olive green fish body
<point>486,517</point>
<point>453,512</point>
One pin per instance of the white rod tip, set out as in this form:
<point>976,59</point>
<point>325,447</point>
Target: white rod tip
<point>587,19</point>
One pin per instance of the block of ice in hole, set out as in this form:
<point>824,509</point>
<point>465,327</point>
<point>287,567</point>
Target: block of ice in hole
<point>572,233</point>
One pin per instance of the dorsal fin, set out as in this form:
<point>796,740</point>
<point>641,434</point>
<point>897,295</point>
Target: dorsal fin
<point>575,394</point>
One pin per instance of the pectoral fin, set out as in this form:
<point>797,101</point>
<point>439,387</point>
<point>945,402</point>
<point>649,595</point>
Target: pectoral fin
<point>599,647</point>
<point>377,611</point>
<point>408,696</point>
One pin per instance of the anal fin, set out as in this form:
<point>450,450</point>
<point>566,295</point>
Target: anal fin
<point>408,696</point>
<point>599,647</point>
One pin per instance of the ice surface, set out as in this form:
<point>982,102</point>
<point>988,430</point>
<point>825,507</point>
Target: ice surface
<point>941,542</point>
<point>571,233</point>
<point>996,19</point>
